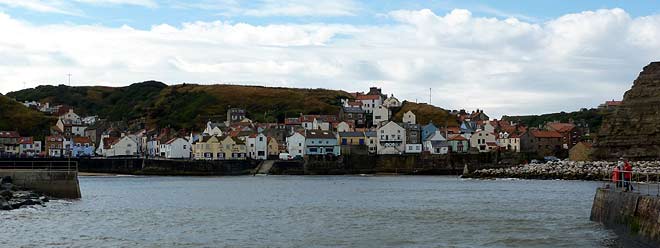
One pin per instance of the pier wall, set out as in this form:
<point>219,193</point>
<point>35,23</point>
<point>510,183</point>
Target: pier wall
<point>61,184</point>
<point>636,217</point>
<point>139,166</point>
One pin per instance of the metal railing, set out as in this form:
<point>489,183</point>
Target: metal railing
<point>636,182</point>
<point>40,165</point>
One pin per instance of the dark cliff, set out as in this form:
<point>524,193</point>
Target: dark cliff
<point>633,129</point>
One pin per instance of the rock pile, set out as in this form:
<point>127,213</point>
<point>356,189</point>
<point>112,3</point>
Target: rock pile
<point>13,197</point>
<point>570,170</point>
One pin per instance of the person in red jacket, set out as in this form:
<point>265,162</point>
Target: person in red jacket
<point>615,176</point>
<point>627,175</point>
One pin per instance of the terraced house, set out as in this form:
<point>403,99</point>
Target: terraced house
<point>9,145</point>
<point>318,142</point>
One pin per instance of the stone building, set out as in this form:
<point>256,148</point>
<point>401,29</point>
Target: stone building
<point>541,142</point>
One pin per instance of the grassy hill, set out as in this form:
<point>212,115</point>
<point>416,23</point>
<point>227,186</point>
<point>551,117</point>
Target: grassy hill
<point>425,113</point>
<point>14,116</point>
<point>592,117</point>
<point>186,105</point>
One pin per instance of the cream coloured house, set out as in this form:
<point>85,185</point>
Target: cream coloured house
<point>409,117</point>
<point>391,139</point>
<point>380,114</point>
<point>483,141</point>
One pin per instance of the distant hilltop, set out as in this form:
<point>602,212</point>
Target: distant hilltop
<point>190,106</point>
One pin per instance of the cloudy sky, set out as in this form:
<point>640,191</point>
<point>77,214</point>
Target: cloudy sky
<point>507,57</point>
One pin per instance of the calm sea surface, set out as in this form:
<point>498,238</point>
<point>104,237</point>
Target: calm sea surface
<point>309,211</point>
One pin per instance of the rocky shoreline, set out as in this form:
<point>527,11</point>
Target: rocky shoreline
<point>14,197</point>
<point>569,170</point>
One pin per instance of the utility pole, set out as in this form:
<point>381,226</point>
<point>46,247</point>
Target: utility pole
<point>429,96</point>
<point>69,79</point>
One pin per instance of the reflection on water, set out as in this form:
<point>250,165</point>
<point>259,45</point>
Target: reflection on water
<point>285,211</point>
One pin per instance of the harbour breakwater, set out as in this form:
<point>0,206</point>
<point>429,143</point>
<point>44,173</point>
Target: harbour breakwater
<point>633,216</point>
<point>570,170</point>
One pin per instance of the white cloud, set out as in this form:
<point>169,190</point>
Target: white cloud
<point>505,66</point>
<point>45,6</point>
<point>264,8</point>
<point>144,3</point>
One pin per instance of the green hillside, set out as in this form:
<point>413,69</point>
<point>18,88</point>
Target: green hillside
<point>186,105</point>
<point>16,117</point>
<point>425,113</point>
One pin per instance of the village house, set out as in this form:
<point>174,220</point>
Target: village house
<point>209,148</point>
<point>414,148</point>
<point>354,115</point>
<point>9,145</point>
<point>468,128</point>
<point>274,148</point>
<point>235,115</point>
<point>319,142</point>
<point>70,129</point>
<point>343,127</point>
<point>212,129</point>
<point>570,133</point>
<point>257,145</point>
<point>55,146</point>
<point>29,147</point>
<point>392,102</point>
<point>458,144</point>
<point>352,138</point>
<point>428,130</point>
<point>436,144</point>
<point>380,114</point>
<point>391,139</point>
<point>372,141</point>
<point>296,145</point>
<point>82,147</point>
<point>234,148</point>
<point>413,133</point>
<point>509,142</point>
<point>541,142</point>
<point>128,145</point>
<point>371,100</point>
<point>409,118</point>
<point>483,141</point>
<point>176,148</point>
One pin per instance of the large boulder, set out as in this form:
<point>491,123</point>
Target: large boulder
<point>633,129</point>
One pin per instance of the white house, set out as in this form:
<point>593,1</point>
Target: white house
<point>392,102</point>
<point>391,139</point>
<point>125,146</point>
<point>370,102</point>
<point>484,141</point>
<point>436,144</point>
<point>176,148</point>
<point>343,127</point>
<point>71,118</point>
<point>409,117</point>
<point>381,113</point>
<point>295,144</point>
<point>509,142</point>
<point>212,129</point>
<point>257,146</point>
<point>320,125</point>
<point>413,148</point>
<point>29,147</point>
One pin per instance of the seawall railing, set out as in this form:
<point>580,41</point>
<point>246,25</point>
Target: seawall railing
<point>39,165</point>
<point>636,182</point>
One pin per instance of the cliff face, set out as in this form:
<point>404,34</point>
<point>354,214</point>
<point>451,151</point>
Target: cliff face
<point>633,129</point>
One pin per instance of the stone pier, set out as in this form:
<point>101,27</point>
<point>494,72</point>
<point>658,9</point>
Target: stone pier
<point>60,184</point>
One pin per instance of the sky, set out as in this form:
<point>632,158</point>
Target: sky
<point>506,57</point>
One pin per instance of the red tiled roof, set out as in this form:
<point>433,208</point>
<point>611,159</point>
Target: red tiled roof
<point>26,140</point>
<point>561,127</point>
<point>545,134</point>
<point>9,134</point>
<point>108,142</point>
<point>458,138</point>
<point>367,97</point>
<point>82,140</point>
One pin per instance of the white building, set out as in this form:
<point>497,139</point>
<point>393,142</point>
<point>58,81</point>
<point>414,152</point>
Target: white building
<point>176,148</point>
<point>125,146</point>
<point>483,141</point>
<point>257,146</point>
<point>380,114</point>
<point>212,129</point>
<point>413,148</point>
<point>436,144</point>
<point>391,139</point>
<point>509,142</point>
<point>344,127</point>
<point>392,102</point>
<point>369,102</point>
<point>295,144</point>
<point>409,117</point>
